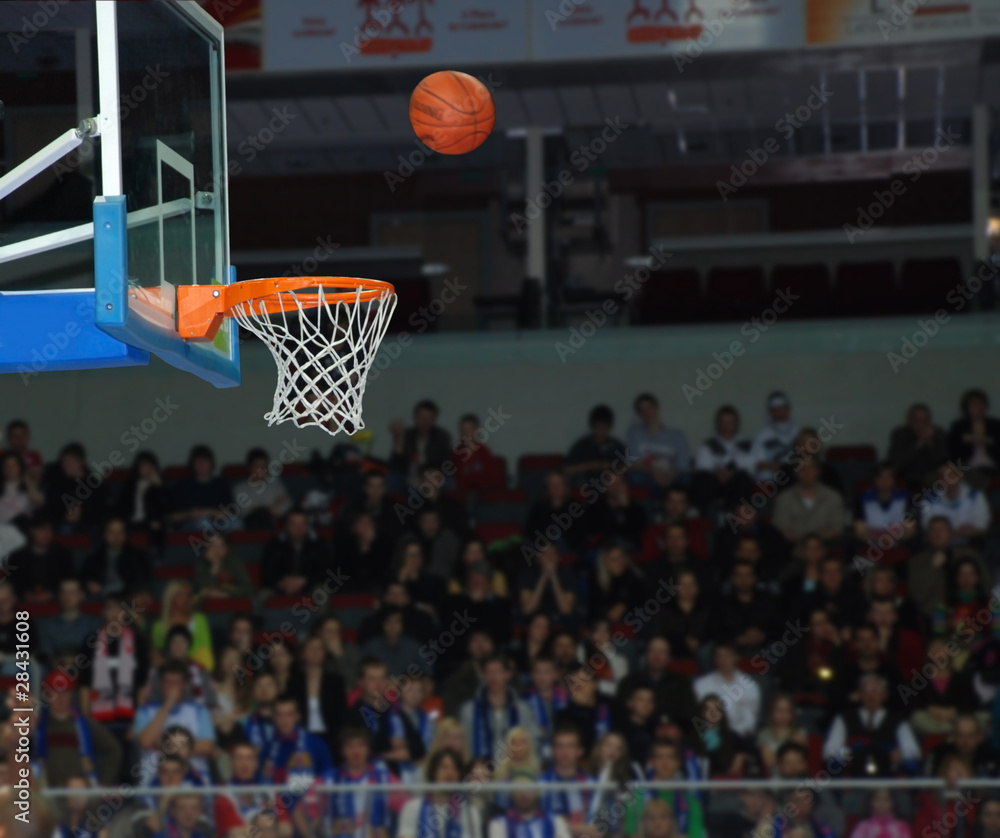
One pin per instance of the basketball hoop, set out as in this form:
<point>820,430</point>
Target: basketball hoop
<point>323,333</point>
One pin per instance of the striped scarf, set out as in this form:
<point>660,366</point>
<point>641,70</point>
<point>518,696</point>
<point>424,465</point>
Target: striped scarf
<point>83,738</point>
<point>484,737</point>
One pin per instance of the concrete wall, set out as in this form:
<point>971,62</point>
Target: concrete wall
<point>838,371</point>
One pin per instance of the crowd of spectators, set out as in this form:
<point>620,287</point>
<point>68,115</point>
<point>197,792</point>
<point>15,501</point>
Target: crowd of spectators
<point>741,608</point>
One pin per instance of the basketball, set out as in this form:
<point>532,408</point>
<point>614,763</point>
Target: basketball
<point>452,112</point>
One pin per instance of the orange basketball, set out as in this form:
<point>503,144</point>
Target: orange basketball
<point>452,112</point>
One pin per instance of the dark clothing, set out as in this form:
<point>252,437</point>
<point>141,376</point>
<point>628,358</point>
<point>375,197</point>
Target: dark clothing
<point>638,737</point>
<point>332,702</point>
<point>913,461</point>
<point>845,606</point>
<point>427,589</point>
<point>736,616</point>
<point>586,450</point>
<point>131,566</point>
<point>156,504</point>
<point>870,746</point>
<point>775,550</point>
<point>364,567</point>
<point>454,516</point>
<point>625,524</point>
<point>63,493</point>
<point>628,589</point>
<point>676,625</point>
<point>527,580</point>
<point>492,615</point>
<point>8,635</point>
<point>39,571</point>
<point>64,757</point>
<point>847,682</point>
<point>436,450</point>
<point>417,624</point>
<point>378,723</point>
<point>282,558</point>
<point>386,521</point>
<point>590,721</point>
<point>961,450</point>
<point>958,693</point>
<point>462,686</point>
<point>674,696</point>
<point>985,759</point>
<point>573,530</point>
<point>664,569</point>
<point>196,494</point>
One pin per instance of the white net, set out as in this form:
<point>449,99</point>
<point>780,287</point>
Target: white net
<point>323,353</point>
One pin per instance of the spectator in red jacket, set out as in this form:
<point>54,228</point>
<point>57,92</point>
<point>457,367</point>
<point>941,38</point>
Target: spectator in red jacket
<point>476,467</point>
<point>901,647</point>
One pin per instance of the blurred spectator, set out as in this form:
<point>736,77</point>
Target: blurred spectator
<point>834,592</point>
<point>574,806</point>
<point>802,818</point>
<point>610,762</point>
<point>917,448</point>
<point>424,444</point>
<point>809,446</point>
<point>452,512</point>
<point>966,508</point>
<point>476,467</point>
<point>809,506</point>
<point>231,696</point>
<point>586,710</point>
<point>463,684</point>
<point>525,817</point>
<point>565,651</point>
<point>177,609</point>
<point>602,655</point>
<point>319,693</point>
<point>724,461</point>
<point>801,577</point>
<point>546,696</point>
<point>551,515</point>
<point>875,741</point>
<point>394,648</point>
<point>684,807</point>
<point>974,440</point>
<point>677,558</point>
<point>68,744</point>
<point>747,614</point>
<point>659,455</point>
<point>496,709</point>
<point>617,586</point>
<point>793,764</point>
<point>245,764</point>
<point>374,501</point>
<point>617,517</point>
<point>258,726</point>
<point>449,735</point>
<point>19,493</point>
<point>221,573</point>
<point>440,544</point>
<point>474,553</point>
<point>444,813</point>
<point>410,567</point>
<point>76,498</point>
<point>740,690</point>
<point>262,497</point>
<point>935,707</point>
<point>963,604</point>
<point>716,741</point>
<point>933,817</point>
<point>200,688</point>
<point>341,656</point>
<point>363,550</point>
<point>864,658</point>
<point>373,712</point>
<point>675,702</point>
<point>418,621</point>
<point>547,586</point>
<point>932,570</point>
<point>684,620</point>
<point>144,502</point>
<point>294,758</point>
<point>594,453</point>
<point>479,605</point>
<point>202,495</point>
<point>901,647</point>
<point>8,624</point>
<point>516,756</point>
<point>968,740</point>
<point>186,817</point>
<point>115,566</point>
<point>418,724</point>
<point>742,521</point>
<point>988,823</point>
<point>639,727</point>
<point>119,668</point>
<point>882,822</point>
<point>767,568</point>
<point>153,719</point>
<point>884,508</point>
<point>294,561</point>
<point>77,818</point>
<point>41,565</point>
<point>882,582</point>
<point>676,510</point>
<point>18,438</point>
<point>814,663</point>
<point>67,631</point>
<point>780,728</point>
<point>660,821</point>
<point>774,441</point>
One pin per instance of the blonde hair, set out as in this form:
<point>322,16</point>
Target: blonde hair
<point>603,576</point>
<point>169,593</point>
<point>505,767</point>
<point>444,727</point>
<point>660,805</point>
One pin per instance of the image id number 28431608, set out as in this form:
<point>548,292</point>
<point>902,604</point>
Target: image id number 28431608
<point>21,719</point>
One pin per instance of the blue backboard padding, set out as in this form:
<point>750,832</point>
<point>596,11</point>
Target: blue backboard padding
<point>55,331</point>
<point>116,317</point>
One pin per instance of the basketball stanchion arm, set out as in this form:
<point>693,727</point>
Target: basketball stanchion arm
<point>45,157</point>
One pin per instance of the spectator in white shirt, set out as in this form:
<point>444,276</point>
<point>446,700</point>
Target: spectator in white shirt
<point>875,740</point>
<point>739,693</point>
<point>660,454</point>
<point>953,498</point>
<point>884,508</point>
<point>525,818</point>
<point>724,461</point>
<point>775,440</point>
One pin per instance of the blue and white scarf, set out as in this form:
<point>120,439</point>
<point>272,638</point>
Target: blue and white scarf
<point>83,737</point>
<point>538,705</point>
<point>567,802</point>
<point>537,826</point>
<point>429,823</point>
<point>259,730</point>
<point>361,808</point>
<point>65,831</point>
<point>484,737</point>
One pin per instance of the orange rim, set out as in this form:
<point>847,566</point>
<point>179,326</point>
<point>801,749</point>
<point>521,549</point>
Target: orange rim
<point>201,309</point>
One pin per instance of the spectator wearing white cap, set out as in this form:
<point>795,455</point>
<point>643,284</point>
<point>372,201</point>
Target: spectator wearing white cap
<point>775,440</point>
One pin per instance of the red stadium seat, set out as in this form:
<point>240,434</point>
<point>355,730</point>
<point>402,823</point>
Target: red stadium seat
<point>552,462</point>
<point>497,532</point>
<point>735,293</point>
<point>683,666</point>
<point>226,604</point>
<point>810,284</point>
<point>503,496</point>
<point>671,297</point>
<point>866,289</point>
<point>40,610</point>
<point>173,571</point>
<point>925,285</point>
<point>837,453</point>
<point>815,751</point>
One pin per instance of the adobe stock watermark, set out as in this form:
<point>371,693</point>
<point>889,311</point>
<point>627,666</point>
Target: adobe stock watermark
<point>758,157</point>
<point>915,168</point>
<point>752,330</point>
<point>377,21</point>
<point>710,33</point>
<point>325,248</point>
<point>408,165</point>
<point>47,10</point>
<point>581,160</point>
<point>421,320</point>
<point>900,15</point>
<point>928,329</point>
<point>628,287</point>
